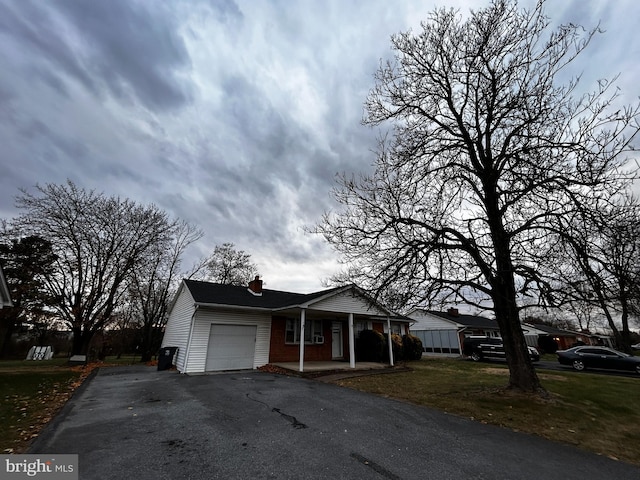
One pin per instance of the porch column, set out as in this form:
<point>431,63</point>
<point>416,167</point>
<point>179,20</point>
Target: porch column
<point>390,342</point>
<point>302,320</point>
<point>352,347</point>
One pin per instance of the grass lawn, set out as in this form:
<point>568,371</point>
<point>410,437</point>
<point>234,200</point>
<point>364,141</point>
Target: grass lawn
<point>594,412</point>
<point>32,392</point>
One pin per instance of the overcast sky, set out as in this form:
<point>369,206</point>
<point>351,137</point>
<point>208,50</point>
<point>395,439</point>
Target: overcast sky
<point>233,115</point>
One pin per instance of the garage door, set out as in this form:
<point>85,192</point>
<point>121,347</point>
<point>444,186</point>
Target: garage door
<point>231,347</point>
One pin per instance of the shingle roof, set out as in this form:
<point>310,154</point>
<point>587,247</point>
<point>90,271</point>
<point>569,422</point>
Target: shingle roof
<point>220,294</point>
<point>552,330</point>
<point>468,320</point>
<point>207,293</point>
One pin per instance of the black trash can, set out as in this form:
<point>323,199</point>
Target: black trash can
<point>165,357</point>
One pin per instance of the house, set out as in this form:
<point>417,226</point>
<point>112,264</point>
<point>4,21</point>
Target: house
<point>563,338</point>
<point>444,332</point>
<point>225,327</point>
<point>5,297</point>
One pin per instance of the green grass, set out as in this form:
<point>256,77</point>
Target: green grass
<point>594,412</point>
<point>31,395</point>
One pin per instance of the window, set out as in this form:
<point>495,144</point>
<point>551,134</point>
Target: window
<point>312,329</point>
<point>290,331</point>
<point>360,326</point>
<point>396,328</point>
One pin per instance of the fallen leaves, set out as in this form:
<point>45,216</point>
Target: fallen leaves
<point>33,412</point>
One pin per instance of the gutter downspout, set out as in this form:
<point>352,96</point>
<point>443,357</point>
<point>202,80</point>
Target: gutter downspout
<point>186,353</point>
<point>302,322</point>
<point>352,348</point>
<point>390,342</point>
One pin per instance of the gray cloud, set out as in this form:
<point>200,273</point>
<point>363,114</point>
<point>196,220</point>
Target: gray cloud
<point>235,116</point>
<point>130,49</point>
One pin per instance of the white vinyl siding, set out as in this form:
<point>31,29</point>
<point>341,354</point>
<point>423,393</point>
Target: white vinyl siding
<point>202,329</point>
<point>347,302</point>
<point>427,321</point>
<point>176,333</point>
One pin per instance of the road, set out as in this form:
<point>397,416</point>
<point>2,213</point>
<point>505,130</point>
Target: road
<point>547,365</point>
<point>138,423</point>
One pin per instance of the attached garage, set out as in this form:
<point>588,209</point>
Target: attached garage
<point>231,347</point>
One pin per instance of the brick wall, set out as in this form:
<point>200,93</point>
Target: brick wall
<point>279,351</point>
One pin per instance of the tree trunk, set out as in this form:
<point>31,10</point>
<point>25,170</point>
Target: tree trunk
<point>522,374</point>
<point>81,339</point>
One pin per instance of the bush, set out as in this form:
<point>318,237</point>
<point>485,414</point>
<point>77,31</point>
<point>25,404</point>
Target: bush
<point>370,346</point>
<point>396,345</point>
<point>412,347</point>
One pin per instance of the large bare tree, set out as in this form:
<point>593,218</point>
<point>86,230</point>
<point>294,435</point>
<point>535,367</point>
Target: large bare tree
<point>97,242</point>
<point>486,149</point>
<point>154,282</point>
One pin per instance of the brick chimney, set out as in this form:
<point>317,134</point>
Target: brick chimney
<point>255,286</point>
<point>453,312</point>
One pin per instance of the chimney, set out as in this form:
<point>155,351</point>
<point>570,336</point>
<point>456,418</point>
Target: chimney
<point>255,286</point>
<point>453,312</point>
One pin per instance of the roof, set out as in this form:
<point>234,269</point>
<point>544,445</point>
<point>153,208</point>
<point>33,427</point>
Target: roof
<point>475,321</point>
<point>207,293</point>
<point>552,330</point>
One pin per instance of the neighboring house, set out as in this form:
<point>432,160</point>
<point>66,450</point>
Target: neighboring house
<point>5,297</point>
<point>225,327</point>
<point>566,338</point>
<point>444,332</point>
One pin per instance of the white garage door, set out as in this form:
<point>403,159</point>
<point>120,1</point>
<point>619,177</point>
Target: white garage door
<point>231,347</point>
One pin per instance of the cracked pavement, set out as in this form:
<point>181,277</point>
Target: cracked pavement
<point>138,423</point>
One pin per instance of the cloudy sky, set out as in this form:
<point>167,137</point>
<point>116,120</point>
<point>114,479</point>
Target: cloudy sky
<point>233,115</point>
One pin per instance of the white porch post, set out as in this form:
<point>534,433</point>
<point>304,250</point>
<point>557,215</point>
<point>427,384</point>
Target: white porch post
<point>352,347</point>
<point>390,342</point>
<point>302,321</point>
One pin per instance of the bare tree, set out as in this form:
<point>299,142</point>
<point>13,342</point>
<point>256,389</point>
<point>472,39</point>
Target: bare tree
<point>486,149</point>
<point>604,246</point>
<point>98,241</point>
<point>153,283</point>
<point>227,265</point>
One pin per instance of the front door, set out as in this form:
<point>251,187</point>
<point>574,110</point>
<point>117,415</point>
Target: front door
<point>336,340</point>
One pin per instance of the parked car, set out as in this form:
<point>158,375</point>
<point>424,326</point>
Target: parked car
<point>598,357</point>
<point>481,348</point>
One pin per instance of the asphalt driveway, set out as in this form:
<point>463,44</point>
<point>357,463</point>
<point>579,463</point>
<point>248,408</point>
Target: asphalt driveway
<point>140,424</point>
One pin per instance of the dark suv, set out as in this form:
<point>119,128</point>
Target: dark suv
<point>480,348</point>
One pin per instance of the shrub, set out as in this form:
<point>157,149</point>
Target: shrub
<point>370,346</point>
<point>412,347</point>
<point>396,345</point>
